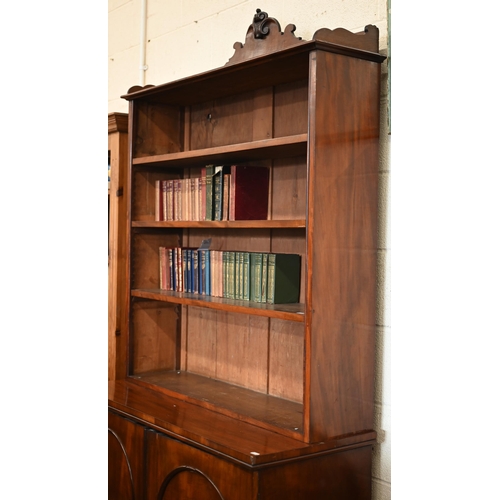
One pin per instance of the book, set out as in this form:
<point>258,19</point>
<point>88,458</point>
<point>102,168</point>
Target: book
<point>209,192</point>
<point>225,196</point>
<point>249,193</point>
<point>170,199</point>
<point>218,186</point>
<point>203,195</point>
<point>163,203</point>
<point>283,279</point>
<point>263,288</point>
<point>255,276</point>
<point>245,276</point>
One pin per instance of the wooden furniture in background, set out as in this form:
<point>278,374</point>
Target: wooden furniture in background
<point>231,399</point>
<point>118,154</point>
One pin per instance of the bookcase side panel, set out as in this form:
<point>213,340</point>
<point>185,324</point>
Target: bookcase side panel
<point>342,244</point>
<point>158,129</point>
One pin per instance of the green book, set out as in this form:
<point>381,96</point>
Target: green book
<point>255,277</point>
<point>230,274</point>
<point>283,278</point>
<point>245,276</point>
<point>263,294</point>
<point>237,276</point>
<point>209,193</point>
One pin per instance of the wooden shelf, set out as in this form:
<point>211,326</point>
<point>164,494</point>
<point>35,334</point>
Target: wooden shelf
<point>288,312</point>
<point>280,147</point>
<point>239,224</point>
<point>250,406</point>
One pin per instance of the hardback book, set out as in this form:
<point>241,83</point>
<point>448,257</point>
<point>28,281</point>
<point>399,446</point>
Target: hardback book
<point>249,193</point>
<point>246,276</point>
<point>263,294</point>
<point>218,184</point>
<point>209,193</point>
<point>283,278</point>
<point>164,200</point>
<point>255,277</point>
<point>225,196</point>
<point>170,199</point>
<point>203,193</point>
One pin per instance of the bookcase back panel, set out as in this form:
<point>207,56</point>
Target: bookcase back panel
<point>158,129</point>
<point>290,109</point>
<point>288,193</point>
<point>286,360</point>
<point>143,193</point>
<point>154,336</point>
<point>222,121</point>
<point>228,347</point>
<point>242,240</point>
<point>145,260</point>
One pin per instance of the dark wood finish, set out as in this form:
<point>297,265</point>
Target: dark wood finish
<point>117,196</point>
<point>125,459</point>
<point>245,400</point>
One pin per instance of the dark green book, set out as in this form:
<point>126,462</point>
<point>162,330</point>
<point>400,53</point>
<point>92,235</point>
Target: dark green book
<point>283,278</point>
<point>231,258</point>
<point>209,193</point>
<point>255,277</point>
<point>218,187</point>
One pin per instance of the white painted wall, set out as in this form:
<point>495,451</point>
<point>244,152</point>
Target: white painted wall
<point>186,37</point>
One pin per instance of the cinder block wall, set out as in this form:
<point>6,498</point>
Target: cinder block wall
<point>185,37</point>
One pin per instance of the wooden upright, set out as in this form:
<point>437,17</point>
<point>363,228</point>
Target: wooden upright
<point>117,224</point>
<point>229,399</point>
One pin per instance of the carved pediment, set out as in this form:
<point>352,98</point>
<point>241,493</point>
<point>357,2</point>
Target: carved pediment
<point>264,36</point>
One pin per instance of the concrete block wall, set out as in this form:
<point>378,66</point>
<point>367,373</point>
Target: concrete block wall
<point>191,36</point>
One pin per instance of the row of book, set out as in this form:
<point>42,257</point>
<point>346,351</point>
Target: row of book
<point>222,192</point>
<point>272,278</point>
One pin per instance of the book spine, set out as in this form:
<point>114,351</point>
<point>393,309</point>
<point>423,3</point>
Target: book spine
<point>192,198</point>
<point>157,200</point>
<point>237,276</point>
<point>203,194</point>
<point>196,273</point>
<point>177,207</point>
<point>164,200</point>
<point>232,191</point>
<point>263,295</point>
<point>209,192</point>
<point>217,180</point>
<point>172,270</point>
<point>225,196</point>
<point>271,273</point>
<point>170,208</point>
<point>246,276</point>
<point>231,275</point>
<point>208,272</point>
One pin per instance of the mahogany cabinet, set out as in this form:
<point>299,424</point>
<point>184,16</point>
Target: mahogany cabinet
<point>223,398</point>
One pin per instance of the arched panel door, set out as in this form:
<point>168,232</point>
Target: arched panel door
<point>188,483</point>
<point>120,480</point>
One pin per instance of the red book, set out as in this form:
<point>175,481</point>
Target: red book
<point>249,193</point>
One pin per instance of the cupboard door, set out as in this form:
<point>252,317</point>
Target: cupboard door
<point>125,462</point>
<point>181,472</point>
